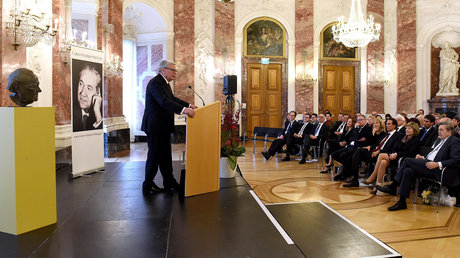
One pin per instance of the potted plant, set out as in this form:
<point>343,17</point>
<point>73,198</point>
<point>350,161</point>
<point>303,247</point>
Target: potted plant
<point>230,139</point>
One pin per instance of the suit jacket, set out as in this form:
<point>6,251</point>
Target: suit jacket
<point>160,106</point>
<point>429,138</point>
<point>306,131</point>
<point>366,132</point>
<point>391,144</point>
<point>294,128</point>
<point>323,131</point>
<point>346,135</point>
<point>401,130</point>
<point>449,155</point>
<point>408,149</point>
<point>78,124</point>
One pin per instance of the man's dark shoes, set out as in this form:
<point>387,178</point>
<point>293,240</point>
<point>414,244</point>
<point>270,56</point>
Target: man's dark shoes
<point>389,189</point>
<point>173,185</point>
<point>398,206</point>
<point>287,158</point>
<point>339,177</point>
<point>352,183</point>
<point>266,155</point>
<point>152,189</point>
<point>302,161</point>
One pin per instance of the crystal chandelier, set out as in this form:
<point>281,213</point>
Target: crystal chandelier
<point>226,1</point>
<point>26,29</point>
<point>356,32</point>
<point>113,67</point>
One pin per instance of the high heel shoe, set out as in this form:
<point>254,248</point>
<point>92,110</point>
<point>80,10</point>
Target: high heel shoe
<point>367,182</point>
<point>327,170</point>
<point>373,191</point>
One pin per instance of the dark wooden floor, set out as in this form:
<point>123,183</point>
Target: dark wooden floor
<point>105,215</point>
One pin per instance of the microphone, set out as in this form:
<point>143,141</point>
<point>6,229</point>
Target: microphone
<point>190,87</point>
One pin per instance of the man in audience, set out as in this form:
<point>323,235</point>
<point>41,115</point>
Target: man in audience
<point>369,153</point>
<point>362,134</point>
<point>401,124</point>
<point>456,122</point>
<point>428,133</point>
<point>299,136</point>
<point>277,145</point>
<point>316,136</point>
<point>421,112</point>
<point>437,120</point>
<point>374,114</point>
<point>446,153</point>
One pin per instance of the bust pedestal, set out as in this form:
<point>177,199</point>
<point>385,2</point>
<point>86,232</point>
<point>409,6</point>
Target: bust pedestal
<point>443,104</point>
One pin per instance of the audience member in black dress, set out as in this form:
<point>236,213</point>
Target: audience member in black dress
<point>341,142</point>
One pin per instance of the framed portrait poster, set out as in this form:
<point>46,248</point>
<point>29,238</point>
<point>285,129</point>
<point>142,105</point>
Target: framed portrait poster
<point>333,50</point>
<point>264,37</point>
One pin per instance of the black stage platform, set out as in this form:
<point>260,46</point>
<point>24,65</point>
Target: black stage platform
<point>105,215</point>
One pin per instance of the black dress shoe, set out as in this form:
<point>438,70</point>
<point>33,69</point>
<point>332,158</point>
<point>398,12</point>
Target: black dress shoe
<point>386,189</point>
<point>287,158</point>
<point>354,183</point>
<point>398,206</point>
<point>173,185</point>
<point>339,177</point>
<point>302,161</point>
<point>266,155</point>
<point>326,171</point>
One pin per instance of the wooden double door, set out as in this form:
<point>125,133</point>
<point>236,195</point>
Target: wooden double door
<point>264,96</point>
<point>339,89</point>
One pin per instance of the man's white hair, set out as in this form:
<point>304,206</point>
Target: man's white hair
<point>165,64</point>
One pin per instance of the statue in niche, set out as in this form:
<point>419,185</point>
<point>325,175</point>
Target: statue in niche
<point>448,75</point>
<point>23,84</point>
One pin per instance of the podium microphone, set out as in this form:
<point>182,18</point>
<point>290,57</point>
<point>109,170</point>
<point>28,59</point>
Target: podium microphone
<point>190,87</point>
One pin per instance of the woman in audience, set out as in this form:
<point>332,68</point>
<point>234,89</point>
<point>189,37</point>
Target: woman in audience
<point>378,131</point>
<point>407,148</point>
<point>371,121</point>
<point>344,139</point>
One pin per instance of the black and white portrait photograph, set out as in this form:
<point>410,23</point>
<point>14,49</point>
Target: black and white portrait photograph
<point>86,95</point>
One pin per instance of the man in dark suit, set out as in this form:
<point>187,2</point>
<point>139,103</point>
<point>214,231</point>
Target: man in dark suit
<point>428,134</point>
<point>87,110</point>
<point>446,153</point>
<point>158,124</point>
<point>290,126</point>
<point>298,137</point>
<point>401,124</point>
<point>317,135</point>
<point>361,137</point>
<point>388,144</point>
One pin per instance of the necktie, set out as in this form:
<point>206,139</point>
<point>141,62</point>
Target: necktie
<point>317,129</point>
<point>301,130</point>
<point>341,127</point>
<point>424,133</point>
<point>382,143</point>
<point>85,119</point>
<point>288,127</point>
<point>434,152</point>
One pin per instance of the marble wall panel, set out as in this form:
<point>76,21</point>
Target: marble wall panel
<point>115,48</point>
<point>435,69</point>
<point>156,57</point>
<point>140,104</point>
<point>11,59</point>
<point>80,26</point>
<point>184,36</point>
<point>142,59</point>
<point>61,72</point>
<point>224,59</point>
<point>375,64</point>
<point>304,31</point>
<point>406,53</point>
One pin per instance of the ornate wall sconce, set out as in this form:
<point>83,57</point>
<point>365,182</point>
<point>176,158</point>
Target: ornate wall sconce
<point>113,67</point>
<point>305,77</point>
<point>26,29</point>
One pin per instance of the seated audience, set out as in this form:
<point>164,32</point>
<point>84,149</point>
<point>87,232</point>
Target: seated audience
<point>428,133</point>
<point>298,137</point>
<point>335,144</point>
<point>407,147</point>
<point>317,135</point>
<point>445,154</point>
<point>401,123</point>
<point>456,122</point>
<point>277,145</point>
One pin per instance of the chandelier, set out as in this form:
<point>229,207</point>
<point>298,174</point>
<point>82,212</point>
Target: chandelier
<point>26,29</point>
<point>226,1</point>
<point>113,67</point>
<point>356,32</point>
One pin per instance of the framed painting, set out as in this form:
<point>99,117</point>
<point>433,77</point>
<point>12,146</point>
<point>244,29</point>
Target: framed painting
<point>333,50</point>
<point>264,37</point>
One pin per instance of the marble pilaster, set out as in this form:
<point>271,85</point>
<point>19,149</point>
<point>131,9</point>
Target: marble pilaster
<point>406,49</point>
<point>390,33</point>
<point>375,63</point>
<point>304,54</point>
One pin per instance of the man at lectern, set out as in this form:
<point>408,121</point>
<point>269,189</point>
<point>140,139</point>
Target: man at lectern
<point>158,124</point>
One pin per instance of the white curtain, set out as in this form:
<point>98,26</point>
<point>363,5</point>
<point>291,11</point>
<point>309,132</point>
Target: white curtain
<point>130,84</point>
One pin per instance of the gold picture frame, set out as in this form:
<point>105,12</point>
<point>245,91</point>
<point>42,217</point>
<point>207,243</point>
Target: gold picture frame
<point>264,37</point>
<point>333,50</point>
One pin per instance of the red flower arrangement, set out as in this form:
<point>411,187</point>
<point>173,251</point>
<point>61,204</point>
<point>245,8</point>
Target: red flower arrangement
<point>230,139</point>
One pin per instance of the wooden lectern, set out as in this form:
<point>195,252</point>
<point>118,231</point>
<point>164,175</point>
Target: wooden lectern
<point>203,150</point>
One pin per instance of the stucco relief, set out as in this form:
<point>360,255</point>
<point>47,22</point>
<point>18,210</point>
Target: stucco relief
<point>278,6</point>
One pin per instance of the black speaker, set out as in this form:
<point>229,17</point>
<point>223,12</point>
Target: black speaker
<point>229,85</point>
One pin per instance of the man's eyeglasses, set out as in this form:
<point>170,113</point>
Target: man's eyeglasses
<point>174,70</point>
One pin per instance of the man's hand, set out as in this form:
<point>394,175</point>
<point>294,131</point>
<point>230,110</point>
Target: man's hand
<point>297,135</point>
<point>362,139</point>
<point>96,102</point>
<point>281,137</point>
<point>189,111</point>
<point>342,144</point>
<point>313,137</point>
<point>432,165</point>
<point>375,153</point>
<point>393,156</point>
<point>193,106</point>
<point>418,156</point>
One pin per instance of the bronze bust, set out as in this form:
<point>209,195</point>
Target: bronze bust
<point>23,83</point>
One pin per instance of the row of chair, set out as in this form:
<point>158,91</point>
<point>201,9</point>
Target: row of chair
<point>265,134</point>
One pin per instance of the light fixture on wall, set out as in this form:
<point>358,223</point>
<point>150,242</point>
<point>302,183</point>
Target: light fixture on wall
<point>112,65</point>
<point>356,32</point>
<point>25,29</point>
<point>226,1</point>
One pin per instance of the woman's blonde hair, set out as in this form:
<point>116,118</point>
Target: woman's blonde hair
<point>382,125</point>
<point>415,127</point>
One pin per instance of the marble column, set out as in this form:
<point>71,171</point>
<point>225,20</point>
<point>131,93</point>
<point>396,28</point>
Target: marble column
<point>204,51</point>
<point>304,54</point>
<point>375,62</point>
<point>391,64</point>
<point>184,31</point>
<point>406,49</point>
<point>224,54</point>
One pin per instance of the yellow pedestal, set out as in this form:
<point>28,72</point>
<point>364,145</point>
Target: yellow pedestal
<point>27,170</point>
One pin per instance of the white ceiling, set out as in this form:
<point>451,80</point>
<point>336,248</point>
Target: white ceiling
<point>144,18</point>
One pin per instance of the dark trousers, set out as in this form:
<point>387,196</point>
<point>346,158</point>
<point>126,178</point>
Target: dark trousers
<point>291,141</point>
<point>410,170</point>
<point>344,156</point>
<point>159,156</point>
<point>307,144</point>
<point>276,146</point>
<point>359,155</point>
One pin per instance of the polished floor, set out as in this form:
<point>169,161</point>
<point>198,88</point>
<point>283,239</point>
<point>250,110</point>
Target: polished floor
<point>105,216</point>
